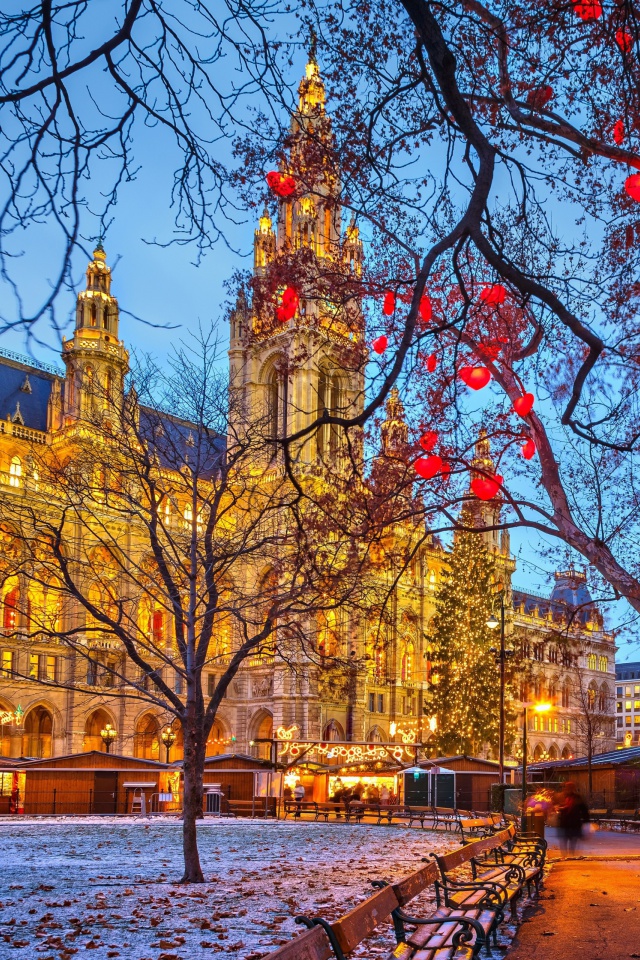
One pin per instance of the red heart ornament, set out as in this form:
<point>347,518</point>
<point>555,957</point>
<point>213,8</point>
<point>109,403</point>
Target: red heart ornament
<point>431,363</point>
<point>632,186</point>
<point>427,467</point>
<point>428,440</point>
<point>485,488</point>
<point>389,305</point>
<point>475,377</point>
<point>528,449</point>
<point>493,295</point>
<point>425,309</point>
<point>524,405</point>
<point>588,11</point>
<point>289,303</point>
<point>281,183</point>
<point>539,97</point>
<point>619,134</point>
<point>624,40</point>
<point>380,344</point>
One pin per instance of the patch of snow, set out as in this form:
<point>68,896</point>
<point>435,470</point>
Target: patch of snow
<point>108,885</point>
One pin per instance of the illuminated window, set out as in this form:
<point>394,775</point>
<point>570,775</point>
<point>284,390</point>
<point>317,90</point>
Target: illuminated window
<point>568,726</point>
<point>6,669</point>
<point>603,664</point>
<point>157,626</point>
<point>10,611</point>
<point>407,663</point>
<point>592,661</point>
<point>33,665</point>
<point>15,472</point>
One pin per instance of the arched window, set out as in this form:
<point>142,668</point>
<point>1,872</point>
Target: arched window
<point>592,661</point>
<point>553,752</point>
<point>566,753</point>
<point>15,472</point>
<point>603,698</point>
<point>93,313</point>
<point>408,658</point>
<point>566,694</point>
<point>592,694</point>
<point>327,634</point>
<point>276,406</point>
<point>146,744</point>
<point>38,729</point>
<point>157,627</point>
<point>10,610</point>
<point>376,735</point>
<point>603,664</point>
<point>329,400</point>
<point>379,661</point>
<point>96,722</point>
<point>333,732</point>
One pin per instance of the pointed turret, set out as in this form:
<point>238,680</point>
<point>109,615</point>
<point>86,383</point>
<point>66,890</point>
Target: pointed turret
<point>95,358</point>
<point>486,513</point>
<point>264,243</point>
<point>394,432</point>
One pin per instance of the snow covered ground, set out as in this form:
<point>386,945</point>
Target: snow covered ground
<point>108,885</point>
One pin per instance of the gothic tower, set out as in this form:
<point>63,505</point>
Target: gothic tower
<point>285,372</point>
<point>96,360</point>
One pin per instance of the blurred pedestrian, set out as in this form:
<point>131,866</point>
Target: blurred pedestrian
<point>572,814</point>
<point>298,796</point>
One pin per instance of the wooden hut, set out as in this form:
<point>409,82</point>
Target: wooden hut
<point>249,786</point>
<point>474,778</point>
<point>615,777</point>
<point>93,782</point>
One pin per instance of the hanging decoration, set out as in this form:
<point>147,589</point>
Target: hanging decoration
<point>539,97</point>
<point>282,184</point>
<point>428,467</point>
<point>425,309</point>
<point>485,488</point>
<point>528,449</point>
<point>431,363</point>
<point>428,440</point>
<point>632,186</point>
<point>475,377</point>
<point>619,134</point>
<point>588,11</point>
<point>493,294</point>
<point>524,405</point>
<point>389,304</point>
<point>289,303</point>
<point>380,344</point>
<point>624,40</point>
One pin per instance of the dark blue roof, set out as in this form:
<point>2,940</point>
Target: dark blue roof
<point>571,588</point>
<point>25,389</point>
<point>613,757</point>
<point>178,442</point>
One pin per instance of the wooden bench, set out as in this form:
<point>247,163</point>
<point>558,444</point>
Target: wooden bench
<point>447,935</point>
<point>506,871</point>
<point>476,826</point>
<point>297,807</point>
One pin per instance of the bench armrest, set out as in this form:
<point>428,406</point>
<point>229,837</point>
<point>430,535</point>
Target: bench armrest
<point>467,925</point>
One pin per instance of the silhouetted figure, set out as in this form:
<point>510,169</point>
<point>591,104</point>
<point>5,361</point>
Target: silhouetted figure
<point>572,813</point>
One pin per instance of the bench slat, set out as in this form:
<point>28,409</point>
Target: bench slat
<point>313,944</point>
<point>405,890</point>
<point>360,922</point>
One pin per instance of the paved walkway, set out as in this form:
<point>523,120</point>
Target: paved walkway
<point>589,908</point>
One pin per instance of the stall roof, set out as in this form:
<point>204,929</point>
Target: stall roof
<point>91,760</point>
<point>612,758</point>
<point>221,759</point>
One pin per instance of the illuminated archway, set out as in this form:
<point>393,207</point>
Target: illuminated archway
<point>146,744</point>
<point>96,722</point>
<point>38,732</point>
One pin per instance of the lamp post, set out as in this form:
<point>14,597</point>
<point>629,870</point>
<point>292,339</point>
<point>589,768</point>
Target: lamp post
<point>108,735</point>
<point>168,738</point>
<point>501,655</point>
<point>538,708</point>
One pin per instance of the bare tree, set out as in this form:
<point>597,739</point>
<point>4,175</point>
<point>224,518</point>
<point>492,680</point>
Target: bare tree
<point>593,716</point>
<point>152,545</point>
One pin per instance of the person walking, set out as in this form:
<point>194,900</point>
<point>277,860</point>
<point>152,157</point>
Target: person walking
<point>298,796</point>
<point>572,814</point>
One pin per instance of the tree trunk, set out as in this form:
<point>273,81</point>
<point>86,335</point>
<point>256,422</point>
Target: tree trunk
<point>194,754</point>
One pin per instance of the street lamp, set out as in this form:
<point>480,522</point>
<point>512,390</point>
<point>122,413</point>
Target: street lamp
<point>168,738</point>
<point>538,708</point>
<point>502,656</point>
<point>108,735</point>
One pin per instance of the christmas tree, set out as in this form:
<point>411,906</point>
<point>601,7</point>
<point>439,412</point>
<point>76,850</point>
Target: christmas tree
<point>465,678</point>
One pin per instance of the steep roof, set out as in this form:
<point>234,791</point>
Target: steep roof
<point>25,387</point>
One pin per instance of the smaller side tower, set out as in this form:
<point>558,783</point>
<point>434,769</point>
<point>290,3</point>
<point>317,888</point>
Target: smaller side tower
<point>95,359</point>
